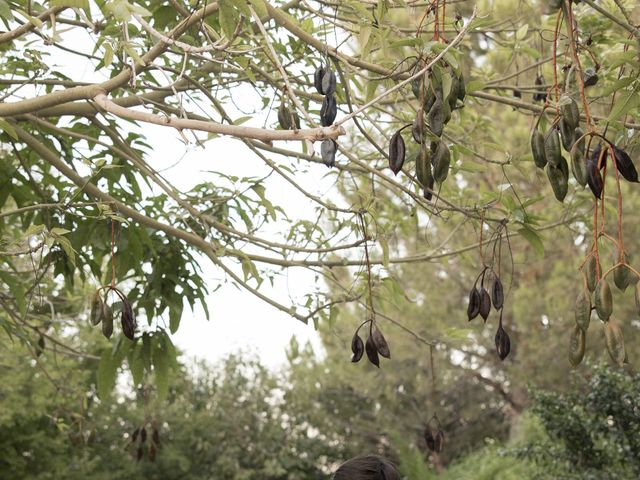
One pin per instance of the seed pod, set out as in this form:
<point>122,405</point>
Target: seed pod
<point>485,304</point>
<point>436,116</point>
<point>625,165</point>
<point>591,272</point>
<point>139,453</point>
<point>582,310</point>
<point>328,82</point>
<point>396,152</point>
<point>558,179</point>
<point>96,309</point>
<point>134,435</point>
<point>441,161</point>
<point>497,293</point>
<point>155,436</point>
<point>595,156</point>
<point>462,88</point>
<point>434,439</point>
<point>357,347</point>
<point>473,309</point>
<point>594,178</point>
<point>621,274</point>
<point>328,111</point>
<point>578,137</point>
<point>372,352</point>
<point>452,99</point>
<point>517,93</point>
<point>576,346</point>
<point>328,149</point>
<point>537,148</point>
<point>503,343</point>
<point>569,111</point>
<point>287,119</point>
<point>579,165</point>
<point>430,96</point>
<point>603,300</point>
<point>418,127</point>
<point>40,346</point>
<point>317,79</point>
<point>143,435</point>
<point>380,342</point>
<point>552,150</point>
<point>152,452</point>
<point>566,134</point>
<point>128,320</point>
<point>427,190</point>
<point>423,169</point>
<point>540,95</point>
<point>416,87</point>
<point>107,320</point>
<point>615,342</point>
<point>590,77</point>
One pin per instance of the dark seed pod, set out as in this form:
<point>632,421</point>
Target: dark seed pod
<point>452,99</point>
<point>559,179</point>
<point>434,439</point>
<point>503,343</point>
<point>317,79</point>
<point>155,436</point>
<point>40,346</point>
<point>621,274</point>
<point>591,272</point>
<point>576,346</point>
<point>357,347</point>
<point>594,178</point>
<point>380,342</point>
<point>566,134</point>
<point>517,93</point>
<point>552,150</point>
<point>441,160</point>
<point>427,190</point>
<point>579,165</point>
<point>473,309</point>
<point>139,453</point>
<point>418,127</point>
<point>107,320</point>
<point>152,452</point>
<point>328,149</point>
<point>595,156</point>
<point>615,342</point>
<point>96,309</point>
<point>423,169</point>
<point>603,300</point>
<point>396,152</point>
<point>537,148</point>
<point>436,116</point>
<point>540,95</point>
<point>590,77</point>
<point>570,112</point>
<point>287,119</point>
<point>485,304</point>
<point>497,293</point>
<point>625,165</point>
<point>328,82</point>
<point>143,435</point>
<point>328,111</point>
<point>372,352</point>
<point>134,435</point>
<point>582,310</point>
<point>462,88</point>
<point>128,320</point>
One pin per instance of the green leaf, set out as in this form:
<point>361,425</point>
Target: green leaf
<point>70,3</point>
<point>136,364</point>
<point>474,86</point>
<point>161,370</point>
<point>626,101</point>
<point>260,8</point>
<point>534,239</point>
<point>8,129</point>
<point>107,373</point>
<point>228,18</point>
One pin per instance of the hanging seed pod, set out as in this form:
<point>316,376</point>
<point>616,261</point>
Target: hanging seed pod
<point>107,320</point>
<point>615,342</point>
<point>328,149</point>
<point>595,156</point>
<point>485,304</point>
<point>155,436</point>
<point>503,343</point>
<point>134,435</point>
<point>96,309</point>
<point>625,165</point>
<point>452,98</point>
<point>357,347</point>
<point>427,190</point>
<point>537,148</point>
<point>497,293</point>
<point>579,166</point>
<point>40,346</point>
<point>372,352</point>
<point>418,127</point>
<point>540,95</point>
<point>380,342</point>
<point>436,116</point>
<point>416,87</point>
<point>328,82</point>
<point>441,160</point>
<point>621,274</point>
<point>128,320</point>
<point>594,178</point>
<point>566,134</point>
<point>569,111</point>
<point>287,119</point>
<point>603,300</point>
<point>317,79</point>
<point>552,150</point>
<point>473,309</point>
<point>438,443</point>
<point>143,435</point>
<point>139,453</point>
<point>591,272</point>
<point>423,168</point>
<point>396,152</point>
<point>576,346</point>
<point>328,111</point>
<point>462,88</point>
<point>558,179</point>
<point>582,310</point>
<point>590,77</point>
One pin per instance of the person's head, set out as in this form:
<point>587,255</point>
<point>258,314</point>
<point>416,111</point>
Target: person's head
<point>367,467</point>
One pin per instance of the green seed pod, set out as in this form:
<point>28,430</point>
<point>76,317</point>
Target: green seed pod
<point>621,274</point>
<point>452,99</point>
<point>423,169</point>
<point>591,272</point>
<point>552,150</point>
<point>558,178</point>
<point>615,342</point>
<point>583,310</point>
<point>436,116</point>
<point>603,300</point>
<point>96,309</point>
<point>569,111</point>
<point>441,161</point>
<point>537,148</point>
<point>566,134</point>
<point>107,320</point>
<point>576,346</point>
<point>579,166</point>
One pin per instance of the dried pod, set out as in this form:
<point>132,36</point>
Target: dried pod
<point>328,149</point>
<point>139,453</point>
<point>559,179</point>
<point>473,309</point>
<point>552,149</point>
<point>287,119</point>
<point>566,134</point>
<point>317,79</point>
<point>462,88</point>
<point>595,156</point>
<point>578,163</point>
<point>621,274</point>
<point>603,300</point>
<point>582,310</point>
<point>418,127</point>
<point>40,346</point>
<point>540,95</point>
<point>503,343</point>
<point>434,439</point>
<point>625,165</point>
<point>396,152</point>
<point>591,272</point>
<point>380,342</point>
<point>328,82</point>
<point>485,304</point>
<point>537,148</point>
<point>576,346</point>
<point>452,98</point>
<point>152,452</point>
<point>427,190</point>
<point>436,116</point>
<point>423,169</point>
<point>96,308</point>
<point>590,77</point>
<point>615,342</point>
<point>441,160</point>
<point>134,435</point>
<point>594,178</point>
<point>372,352</point>
<point>497,293</point>
<point>569,111</point>
<point>107,320</point>
<point>128,320</point>
<point>357,347</point>
<point>328,111</point>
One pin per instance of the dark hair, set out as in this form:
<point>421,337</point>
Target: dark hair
<point>367,467</point>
